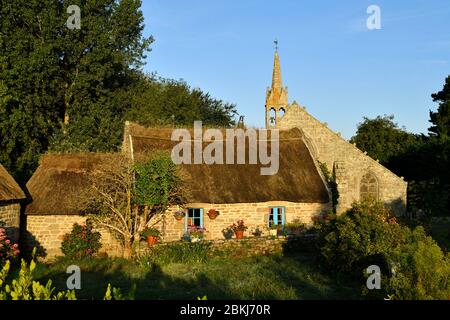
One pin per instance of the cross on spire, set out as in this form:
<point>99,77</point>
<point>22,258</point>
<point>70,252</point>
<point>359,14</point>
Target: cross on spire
<point>276,44</point>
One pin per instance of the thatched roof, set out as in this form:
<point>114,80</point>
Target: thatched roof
<point>297,180</point>
<point>58,181</point>
<point>9,189</point>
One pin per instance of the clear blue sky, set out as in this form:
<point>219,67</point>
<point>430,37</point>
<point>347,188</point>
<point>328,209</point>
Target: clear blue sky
<point>331,62</point>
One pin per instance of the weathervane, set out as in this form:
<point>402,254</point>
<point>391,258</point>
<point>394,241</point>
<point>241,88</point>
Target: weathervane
<point>276,44</point>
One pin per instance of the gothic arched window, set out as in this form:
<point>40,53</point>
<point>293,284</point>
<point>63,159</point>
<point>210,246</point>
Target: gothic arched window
<point>368,189</point>
<point>281,112</point>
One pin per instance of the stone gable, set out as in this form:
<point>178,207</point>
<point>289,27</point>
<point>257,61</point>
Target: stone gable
<point>349,164</point>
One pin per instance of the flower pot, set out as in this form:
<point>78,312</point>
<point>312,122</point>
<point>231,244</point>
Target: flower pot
<point>212,216</point>
<point>179,218</point>
<point>273,232</point>
<point>195,239</point>
<point>151,240</point>
<point>239,234</point>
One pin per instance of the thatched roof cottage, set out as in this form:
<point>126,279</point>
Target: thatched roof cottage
<point>11,196</point>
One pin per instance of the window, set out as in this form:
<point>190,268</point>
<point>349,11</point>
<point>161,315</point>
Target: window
<point>276,216</point>
<point>194,218</point>
<point>368,189</point>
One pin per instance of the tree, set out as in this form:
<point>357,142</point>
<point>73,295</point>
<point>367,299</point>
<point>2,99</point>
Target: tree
<point>381,138</point>
<point>156,101</point>
<point>125,197</point>
<point>441,118</point>
<point>62,83</point>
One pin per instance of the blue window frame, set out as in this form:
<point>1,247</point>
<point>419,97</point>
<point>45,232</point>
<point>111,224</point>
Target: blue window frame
<point>194,217</point>
<point>276,216</point>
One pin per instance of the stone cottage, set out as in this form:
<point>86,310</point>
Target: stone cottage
<point>297,192</point>
<point>54,207</point>
<point>11,196</point>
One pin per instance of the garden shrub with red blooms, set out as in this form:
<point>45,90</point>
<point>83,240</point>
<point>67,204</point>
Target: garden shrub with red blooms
<point>81,242</point>
<point>8,250</point>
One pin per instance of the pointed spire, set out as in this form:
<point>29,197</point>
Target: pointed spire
<point>277,82</point>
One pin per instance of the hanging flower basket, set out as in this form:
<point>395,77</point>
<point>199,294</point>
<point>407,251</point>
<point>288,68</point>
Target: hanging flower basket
<point>213,213</point>
<point>179,215</point>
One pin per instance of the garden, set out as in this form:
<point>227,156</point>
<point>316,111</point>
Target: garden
<point>332,266</point>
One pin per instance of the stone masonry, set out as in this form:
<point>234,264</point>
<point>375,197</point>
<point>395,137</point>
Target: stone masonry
<point>255,216</point>
<point>10,219</point>
<point>46,233</point>
<point>348,163</point>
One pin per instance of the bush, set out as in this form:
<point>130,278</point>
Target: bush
<point>8,250</point>
<point>24,287</point>
<point>81,242</point>
<point>421,269</point>
<point>180,252</point>
<point>363,236</point>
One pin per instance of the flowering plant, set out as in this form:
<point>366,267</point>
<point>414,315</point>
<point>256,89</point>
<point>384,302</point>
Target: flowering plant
<point>238,226</point>
<point>179,215</point>
<point>7,249</point>
<point>81,242</point>
<point>196,232</point>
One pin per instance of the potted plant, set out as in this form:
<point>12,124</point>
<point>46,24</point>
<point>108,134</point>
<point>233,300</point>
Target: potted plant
<point>295,228</point>
<point>239,227</point>
<point>213,213</point>
<point>179,215</point>
<point>151,235</point>
<point>196,233</point>
<point>273,230</point>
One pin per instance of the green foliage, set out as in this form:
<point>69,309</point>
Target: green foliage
<point>81,242</point>
<point>157,182</point>
<point>179,252</point>
<point>381,138</point>
<point>150,232</point>
<point>49,72</point>
<point>421,269</point>
<point>351,241</point>
<point>156,101</point>
<point>25,288</point>
<point>330,179</point>
<point>441,118</point>
<point>116,294</point>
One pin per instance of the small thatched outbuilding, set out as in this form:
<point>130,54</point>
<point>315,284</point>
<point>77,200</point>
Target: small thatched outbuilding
<point>54,206</point>
<point>11,196</point>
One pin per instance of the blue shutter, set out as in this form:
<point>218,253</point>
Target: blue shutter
<point>201,217</point>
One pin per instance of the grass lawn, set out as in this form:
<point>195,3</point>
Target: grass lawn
<point>264,277</point>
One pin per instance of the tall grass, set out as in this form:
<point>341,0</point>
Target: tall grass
<point>180,252</point>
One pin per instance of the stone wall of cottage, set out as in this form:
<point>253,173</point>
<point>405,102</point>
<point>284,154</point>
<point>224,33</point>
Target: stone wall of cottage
<point>255,216</point>
<point>46,233</point>
<point>348,162</point>
<point>10,219</point>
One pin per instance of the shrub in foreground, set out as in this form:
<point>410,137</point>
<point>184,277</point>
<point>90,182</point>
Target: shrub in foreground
<point>365,234</point>
<point>8,250</point>
<point>81,242</point>
<point>421,270</point>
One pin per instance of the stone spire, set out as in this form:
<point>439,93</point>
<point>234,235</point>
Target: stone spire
<point>277,95</point>
<point>277,82</point>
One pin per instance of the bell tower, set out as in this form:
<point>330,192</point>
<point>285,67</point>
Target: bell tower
<point>277,95</point>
